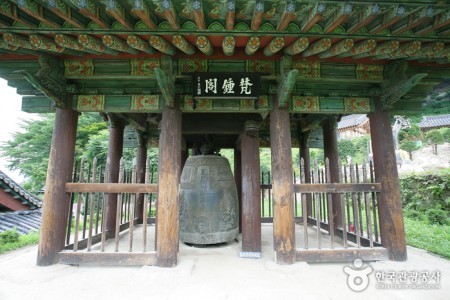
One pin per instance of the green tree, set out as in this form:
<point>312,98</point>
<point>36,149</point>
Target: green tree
<point>410,139</point>
<point>435,137</point>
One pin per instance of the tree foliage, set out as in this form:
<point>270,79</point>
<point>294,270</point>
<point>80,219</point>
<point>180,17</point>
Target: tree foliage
<point>357,149</point>
<point>410,139</point>
<point>436,137</point>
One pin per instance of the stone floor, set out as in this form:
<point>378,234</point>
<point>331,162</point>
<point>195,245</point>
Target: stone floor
<point>219,273</point>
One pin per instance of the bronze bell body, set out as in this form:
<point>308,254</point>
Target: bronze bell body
<point>209,209</point>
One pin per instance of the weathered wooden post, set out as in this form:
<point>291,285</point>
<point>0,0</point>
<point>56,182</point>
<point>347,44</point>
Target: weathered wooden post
<point>304,153</point>
<point>238,180</point>
<point>141,161</point>
<point>282,186</point>
<point>251,203</point>
<point>331,150</point>
<point>390,212</point>
<point>56,201</point>
<point>115,151</point>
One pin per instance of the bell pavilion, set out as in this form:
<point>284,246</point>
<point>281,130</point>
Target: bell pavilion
<point>243,75</point>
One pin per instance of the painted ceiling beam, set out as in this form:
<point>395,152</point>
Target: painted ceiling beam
<point>344,12</point>
<point>181,43</point>
<point>339,48</point>
<point>62,10</point>
<point>35,10</point>
<point>297,47</point>
<point>204,45</point>
<point>415,19</point>
<point>68,41</point>
<point>117,44</point>
<point>287,17</point>
<point>9,10</point>
<point>131,121</point>
<point>7,46</point>
<point>164,77</point>
<point>18,40</point>
<point>318,47</point>
<point>230,15</point>
<point>361,47</point>
<point>253,44</point>
<point>381,49</point>
<point>405,50</point>
<point>365,17</point>
<point>95,44</point>
<point>199,16</point>
<point>257,15</point>
<point>141,11</point>
<point>228,45</point>
<point>315,16</point>
<point>441,20</point>
<point>116,10</point>
<point>392,16</point>
<point>91,11</point>
<point>429,50</point>
<point>44,43</point>
<point>161,45</point>
<point>139,44</point>
<point>274,46</point>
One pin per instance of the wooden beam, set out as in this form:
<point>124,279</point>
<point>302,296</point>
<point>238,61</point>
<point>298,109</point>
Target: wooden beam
<point>44,43</point>
<point>17,40</point>
<point>342,47</point>
<point>257,15</point>
<point>95,44</point>
<point>274,46</point>
<point>117,44</point>
<point>116,10</point>
<point>10,10</point>
<point>341,255</point>
<point>315,16</point>
<point>230,15</point>
<point>9,201</point>
<point>161,45</point>
<point>398,88</point>
<point>166,85</point>
<point>90,10</point>
<point>145,188</point>
<point>136,42</point>
<point>344,12</point>
<point>181,43</point>
<point>204,45</point>
<point>199,16</point>
<point>416,19</point>
<point>337,187</point>
<point>70,42</point>
<point>253,45</point>
<point>170,14</point>
<point>440,21</point>
<point>141,11</point>
<point>404,50</point>
<point>429,50</point>
<point>392,230</point>
<point>297,47</point>
<point>365,17</point>
<point>228,45</point>
<point>318,47</point>
<point>36,11</point>
<point>282,187</point>
<point>381,49</point>
<point>286,86</point>
<point>251,203</point>
<point>107,259</point>
<point>361,47</point>
<point>392,16</point>
<point>167,212</point>
<point>287,16</point>
<point>62,10</point>
<point>59,172</point>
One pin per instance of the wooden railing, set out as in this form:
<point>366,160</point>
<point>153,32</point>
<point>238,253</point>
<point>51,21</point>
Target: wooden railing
<point>342,216</point>
<point>92,198</point>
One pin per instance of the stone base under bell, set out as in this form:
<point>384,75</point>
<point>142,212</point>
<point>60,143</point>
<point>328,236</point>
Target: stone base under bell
<point>209,238</point>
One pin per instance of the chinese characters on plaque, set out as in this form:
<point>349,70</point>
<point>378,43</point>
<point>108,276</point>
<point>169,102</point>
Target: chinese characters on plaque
<point>226,85</point>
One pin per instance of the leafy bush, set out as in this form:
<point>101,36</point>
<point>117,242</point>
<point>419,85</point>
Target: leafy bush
<point>413,214</point>
<point>437,216</point>
<point>9,236</point>
<point>23,240</point>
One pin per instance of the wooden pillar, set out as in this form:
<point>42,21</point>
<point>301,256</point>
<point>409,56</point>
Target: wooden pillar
<point>115,151</point>
<point>238,180</point>
<point>390,212</point>
<point>282,186</point>
<point>169,163</point>
<point>141,160</point>
<point>304,153</point>
<point>331,151</point>
<point>56,200</point>
<point>251,203</point>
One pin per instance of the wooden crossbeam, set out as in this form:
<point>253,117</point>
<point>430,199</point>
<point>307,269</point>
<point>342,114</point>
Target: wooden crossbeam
<point>75,187</point>
<point>204,45</point>
<point>230,15</point>
<point>10,10</point>
<point>117,44</point>
<point>257,15</point>
<point>136,42</point>
<point>141,11</point>
<point>181,43</point>
<point>344,12</point>
<point>315,15</point>
<point>62,10</point>
<point>17,40</point>
<point>365,17</point>
<point>342,255</point>
<point>361,47</point>
<point>90,10</point>
<point>115,9</point>
<point>170,15</point>
<point>441,20</point>
<point>199,16</point>
<point>287,17</point>
<point>285,87</point>
<point>95,44</point>
<point>381,49</point>
<point>253,45</point>
<point>392,16</point>
<point>36,11</point>
<point>161,45</point>
<point>416,19</point>
<point>318,47</point>
<point>228,45</point>
<point>107,259</point>
<point>337,187</point>
<point>339,48</point>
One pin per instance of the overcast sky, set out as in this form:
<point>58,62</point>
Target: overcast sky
<point>10,119</point>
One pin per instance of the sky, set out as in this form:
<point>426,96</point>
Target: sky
<point>11,117</point>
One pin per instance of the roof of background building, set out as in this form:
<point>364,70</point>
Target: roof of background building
<point>351,121</point>
<point>18,192</point>
<point>435,121</point>
<point>23,220</point>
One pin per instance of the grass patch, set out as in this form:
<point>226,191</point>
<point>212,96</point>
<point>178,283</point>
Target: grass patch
<point>433,238</point>
<point>23,240</point>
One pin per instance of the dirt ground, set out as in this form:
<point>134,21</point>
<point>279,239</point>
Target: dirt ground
<point>219,273</point>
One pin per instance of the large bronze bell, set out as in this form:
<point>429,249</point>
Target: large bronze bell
<point>209,212</point>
